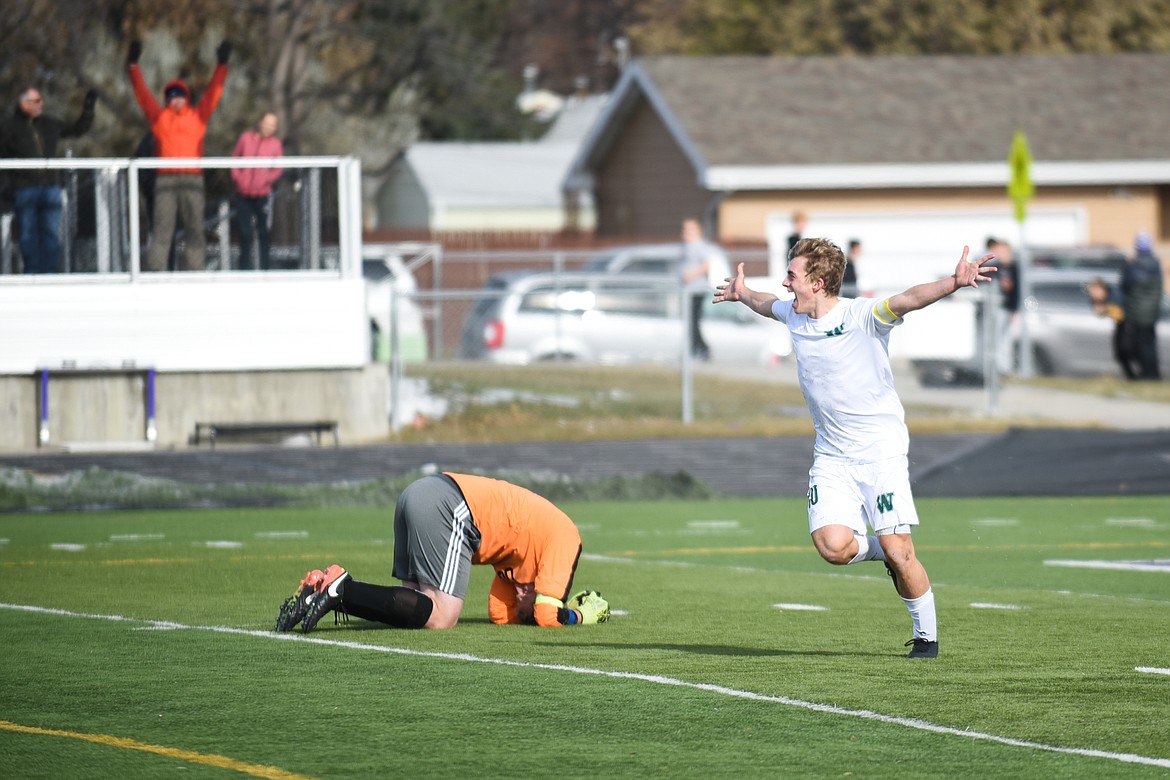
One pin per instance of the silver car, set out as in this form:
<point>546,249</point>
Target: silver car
<point>1067,337</point>
<point>528,316</point>
<point>638,259</point>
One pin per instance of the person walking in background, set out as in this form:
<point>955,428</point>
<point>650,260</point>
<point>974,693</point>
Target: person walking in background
<point>1008,277</point>
<point>1141,294</point>
<point>799,225</point>
<point>1106,303</point>
<point>860,473</point>
<point>700,258</point>
<point>443,524</point>
<point>849,287</point>
<point>178,130</point>
<point>30,133</point>
<point>254,188</point>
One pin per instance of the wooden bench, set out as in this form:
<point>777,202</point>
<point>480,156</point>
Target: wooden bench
<point>213,430</point>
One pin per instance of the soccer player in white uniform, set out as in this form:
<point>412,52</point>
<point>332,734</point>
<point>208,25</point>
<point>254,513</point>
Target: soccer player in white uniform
<point>860,473</point>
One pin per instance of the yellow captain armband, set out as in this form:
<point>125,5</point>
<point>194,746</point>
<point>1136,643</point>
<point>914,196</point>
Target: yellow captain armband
<point>543,599</point>
<point>883,312</point>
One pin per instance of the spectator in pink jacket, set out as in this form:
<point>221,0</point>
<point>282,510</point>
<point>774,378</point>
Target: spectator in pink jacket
<point>254,188</point>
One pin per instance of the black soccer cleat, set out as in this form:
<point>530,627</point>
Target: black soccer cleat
<point>923,648</point>
<point>893,576</point>
<point>326,598</point>
<point>296,606</point>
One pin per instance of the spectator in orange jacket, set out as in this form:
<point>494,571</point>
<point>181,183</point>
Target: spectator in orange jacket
<point>178,130</point>
<point>443,524</point>
<point>254,188</point>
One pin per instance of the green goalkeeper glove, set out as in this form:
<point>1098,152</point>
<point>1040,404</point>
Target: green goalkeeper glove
<point>591,605</point>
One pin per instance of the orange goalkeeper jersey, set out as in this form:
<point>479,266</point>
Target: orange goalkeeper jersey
<point>526,538</point>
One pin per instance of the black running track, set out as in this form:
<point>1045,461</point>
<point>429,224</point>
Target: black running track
<point>1021,462</point>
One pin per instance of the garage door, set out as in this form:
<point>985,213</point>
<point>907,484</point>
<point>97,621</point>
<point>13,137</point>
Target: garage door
<point>903,248</point>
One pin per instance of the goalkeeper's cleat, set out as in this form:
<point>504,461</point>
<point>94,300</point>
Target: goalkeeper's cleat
<point>296,606</point>
<point>923,648</point>
<point>326,598</point>
<point>593,608</point>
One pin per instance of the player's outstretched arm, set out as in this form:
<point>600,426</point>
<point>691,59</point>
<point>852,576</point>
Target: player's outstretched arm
<point>734,289</point>
<point>967,274</point>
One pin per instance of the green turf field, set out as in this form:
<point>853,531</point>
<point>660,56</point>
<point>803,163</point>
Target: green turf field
<point>138,644</point>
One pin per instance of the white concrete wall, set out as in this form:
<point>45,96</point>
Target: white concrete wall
<point>183,322</point>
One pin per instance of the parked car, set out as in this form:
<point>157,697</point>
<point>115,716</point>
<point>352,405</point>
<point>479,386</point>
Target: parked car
<point>383,272</point>
<point>652,259</point>
<point>614,318</point>
<point>638,259</point>
<point>1067,337</point>
<point>1098,257</point>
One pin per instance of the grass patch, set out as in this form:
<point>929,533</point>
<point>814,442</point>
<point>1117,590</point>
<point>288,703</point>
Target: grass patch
<point>581,403</point>
<point>1103,387</point>
<point>96,489</point>
<point>696,584</point>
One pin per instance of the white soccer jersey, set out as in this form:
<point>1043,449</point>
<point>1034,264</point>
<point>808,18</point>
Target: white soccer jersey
<point>843,363</point>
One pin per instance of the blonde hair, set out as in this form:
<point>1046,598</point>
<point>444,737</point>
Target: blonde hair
<point>824,260</point>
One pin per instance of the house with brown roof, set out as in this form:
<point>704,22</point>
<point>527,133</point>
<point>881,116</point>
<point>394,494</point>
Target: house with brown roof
<point>485,186</point>
<point>908,154</point>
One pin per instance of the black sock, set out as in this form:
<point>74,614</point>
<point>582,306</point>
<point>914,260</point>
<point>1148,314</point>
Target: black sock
<point>393,605</point>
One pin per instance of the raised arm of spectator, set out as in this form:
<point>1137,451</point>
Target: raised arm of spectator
<point>85,121</point>
<point>214,91</point>
<point>142,93</point>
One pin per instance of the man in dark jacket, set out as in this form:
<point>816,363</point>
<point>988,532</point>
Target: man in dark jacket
<point>28,132</point>
<point>1141,290</point>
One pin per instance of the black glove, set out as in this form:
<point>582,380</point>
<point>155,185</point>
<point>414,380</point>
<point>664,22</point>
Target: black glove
<point>90,100</point>
<point>223,52</point>
<point>135,53</point>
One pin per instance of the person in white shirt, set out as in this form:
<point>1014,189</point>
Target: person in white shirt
<point>860,473</point>
<point>702,262</point>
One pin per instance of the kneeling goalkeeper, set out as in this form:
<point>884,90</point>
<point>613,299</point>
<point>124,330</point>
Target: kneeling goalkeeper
<point>444,524</point>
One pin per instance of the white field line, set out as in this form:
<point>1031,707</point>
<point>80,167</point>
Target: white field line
<point>912,723</point>
<point>882,577</point>
<point>1157,565</point>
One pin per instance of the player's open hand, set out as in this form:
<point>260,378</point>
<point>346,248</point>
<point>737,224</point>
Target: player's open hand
<point>732,286</point>
<point>969,274</point>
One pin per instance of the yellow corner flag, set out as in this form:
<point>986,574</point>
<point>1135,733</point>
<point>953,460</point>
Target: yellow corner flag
<point>1020,188</point>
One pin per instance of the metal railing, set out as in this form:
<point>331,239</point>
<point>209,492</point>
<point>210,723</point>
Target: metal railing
<point>326,215</point>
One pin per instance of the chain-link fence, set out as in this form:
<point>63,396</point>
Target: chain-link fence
<point>517,308</point>
<point>447,284</point>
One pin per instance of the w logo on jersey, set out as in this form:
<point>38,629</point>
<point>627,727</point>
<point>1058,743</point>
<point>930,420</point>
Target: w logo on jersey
<point>885,503</point>
<point>837,331</point>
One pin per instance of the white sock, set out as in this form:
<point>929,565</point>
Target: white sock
<point>868,549</point>
<point>922,613</point>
